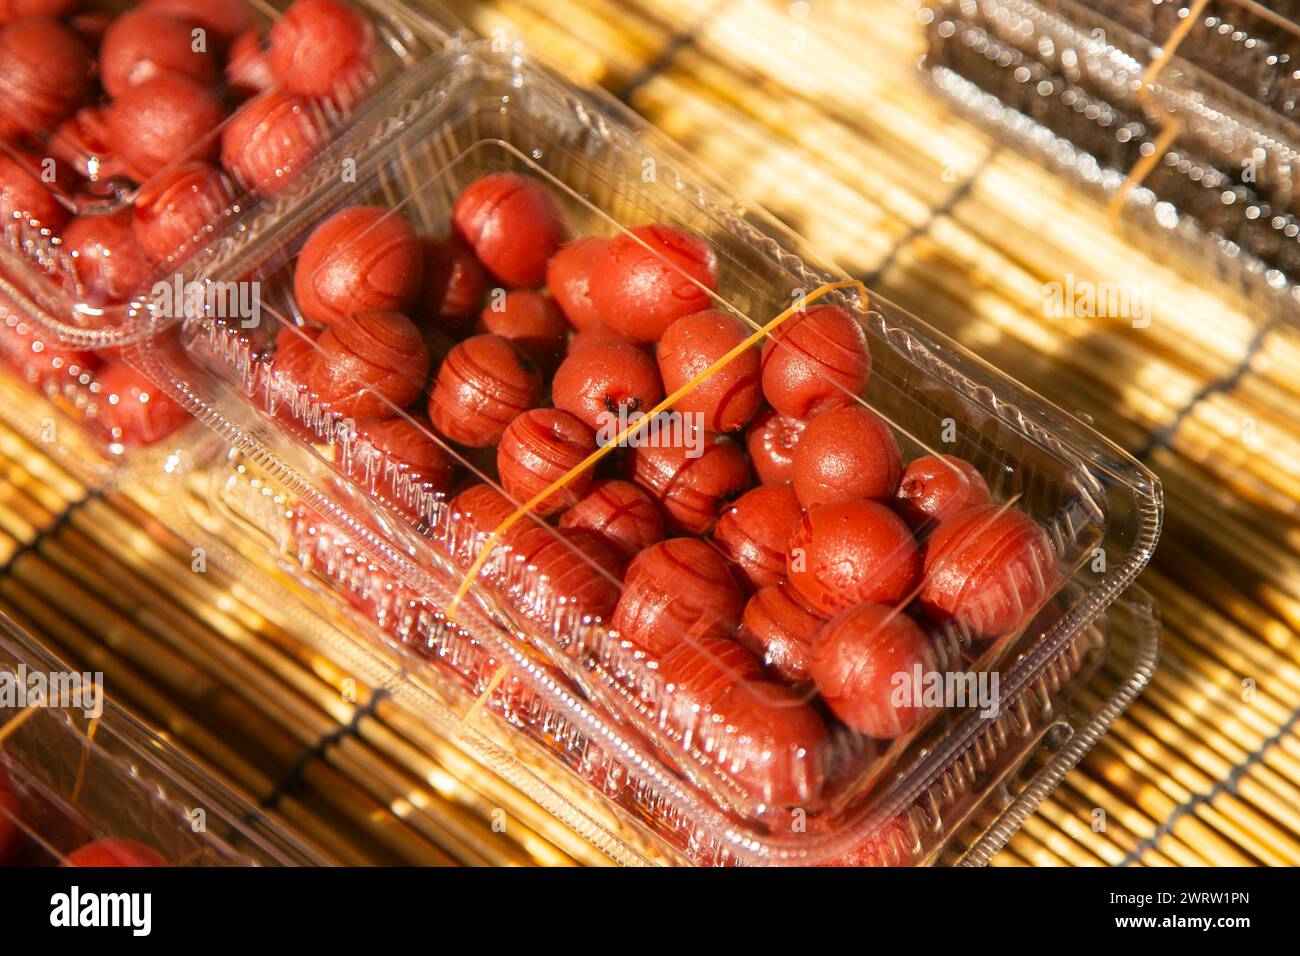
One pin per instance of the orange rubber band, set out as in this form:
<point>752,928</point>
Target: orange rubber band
<point>1171,126</point>
<point>601,452</point>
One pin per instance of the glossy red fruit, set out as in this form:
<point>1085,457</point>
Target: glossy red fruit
<point>11,10</point>
<point>114,851</point>
<point>45,74</point>
<point>482,386</point>
<point>223,19</point>
<point>82,143</point>
<point>754,532</point>
<point>593,334</point>
<point>771,440</point>
<point>987,570</point>
<point>454,285</point>
<point>846,453</point>
<point>771,743</point>
<point>727,398</point>
<point>163,121</point>
<point>513,224</point>
<point>568,567</point>
<point>248,68</point>
<point>319,47</point>
<point>269,140</point>
<point>650,276</point>
<point>409,455</point>
<point>175,211</point>
<point>25,198</point>
<point>674,591</point>
<point>361,258</point>
<point>690,479</point>
<point>145,43</point>
<point>105,263</point>
<point>815,361</point>
<point>779,628</point>
<point>861,658</point>
<point>607,384</point>
<point>854,551</point>
<point>369,366</point>
<point>694,674</point>
<point>538,448</point>
<point>621,512</point>
<point>937,487</point>
<point>11,808</point>
<point>568,279</point>
<point>532,321</point>
<point>131,410</point>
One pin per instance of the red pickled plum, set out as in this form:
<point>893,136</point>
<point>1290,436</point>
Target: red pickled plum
<point>987,570</point>
<point>513,224</point>
<point>483,385</point>
<point>850,552</point>
<point>690,479</point>
<point>771,441</point>
<point>607,384</point>
<point>816,360</point>
<point>621,512</point>
<point>650,276</point>
<point>361,258</point>
<point>728,397</point>
<point>754,532</point>
<point>568,278</point>
<point>674,591</point>
<point>145,43</point>
<point>537,449</point>
<point>269,139</point>
<point>779,628</point>
<point>846,453</point>
<point>937,487</point>
<point>370,365</point>
<point>857,660</point>
<point>178,206</point>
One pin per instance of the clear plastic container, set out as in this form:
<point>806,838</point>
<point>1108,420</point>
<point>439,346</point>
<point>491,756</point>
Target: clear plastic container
<point>250,525</point>
<point>637,682</point>
<point>95,202</point>
<point>1062,81</point>
<point>77,772</point>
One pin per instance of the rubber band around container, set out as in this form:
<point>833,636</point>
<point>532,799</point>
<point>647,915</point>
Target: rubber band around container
<point>1171,127</point>
<point>525,509</point>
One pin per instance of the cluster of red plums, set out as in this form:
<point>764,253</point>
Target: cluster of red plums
<point>777,561</point>
<point>178,105</point>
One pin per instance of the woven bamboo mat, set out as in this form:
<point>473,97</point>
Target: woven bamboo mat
<point>816,111</point>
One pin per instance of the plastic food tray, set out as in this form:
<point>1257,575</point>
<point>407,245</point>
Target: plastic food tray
<point>1063,83</point>
<point>82,777</point>
<point>56,329</point>
<point>536,655</point>
<point>250,525</point>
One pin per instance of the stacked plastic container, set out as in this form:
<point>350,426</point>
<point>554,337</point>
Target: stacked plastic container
<point>83,784</point>
<point>130,135</point>
<point>1186,123</point>
<point>710,627</point>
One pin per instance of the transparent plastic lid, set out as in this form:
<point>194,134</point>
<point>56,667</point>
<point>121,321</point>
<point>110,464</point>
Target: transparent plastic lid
<point>1185,125</point>
<point>84,784</point>
<point>768,546</point>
